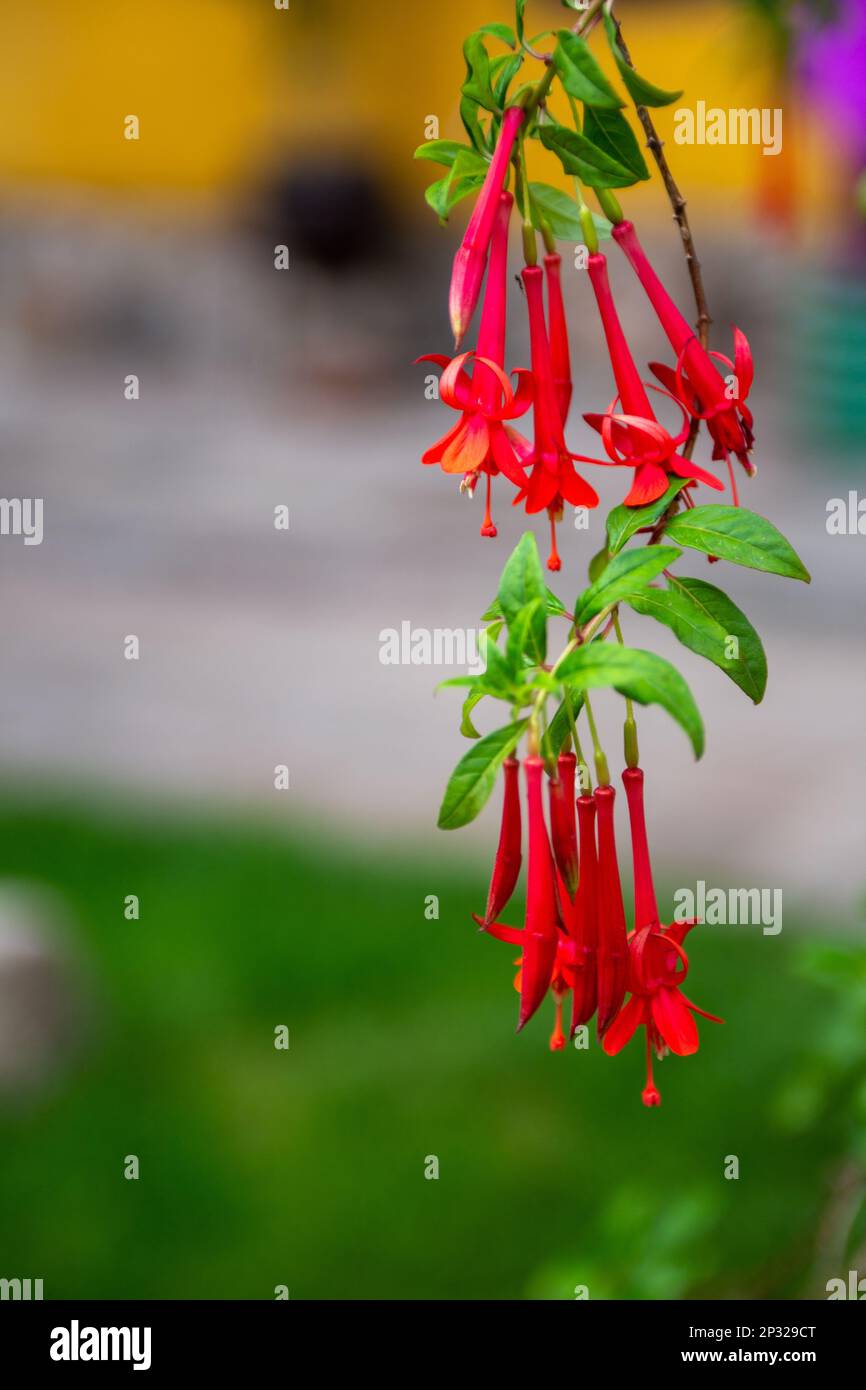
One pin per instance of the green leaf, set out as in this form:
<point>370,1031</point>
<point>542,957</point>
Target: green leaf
<point>477,86</point>
<point>500,31</point>
<point>502,73</point>
<point>580,74</point>
<point>471,123</point>
<point>523,636</point>
<point>555,609</point>
<point>520,18</point>
<point>598,564</point>
<point>623,522</point>
<point>561,213</point>
<point>522,581</point>
<point>611,132</point>
<point>624,574</point>
<point>642,676</point>
<point>466,174</point>
<point>581,157</point>
<point>744,538</point>
<point>474,777</point>
<point>703,618</point>
<point>642,93</point>
<point>467,728</point>
<point>445,152</point>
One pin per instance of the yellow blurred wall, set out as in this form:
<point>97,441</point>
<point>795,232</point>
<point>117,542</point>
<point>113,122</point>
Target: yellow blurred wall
<point>223,86</point>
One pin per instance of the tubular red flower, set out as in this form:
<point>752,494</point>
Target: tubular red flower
<point>635,438</point>
<point>560,355</point>
<point>612,934</point>
<point>646,912</point>
<point>471,256</point>
<point>506,866</point>
<point>482,441</point>
<point>658,966</point>
<point>553,479</point>
<point>542,915</point>
<point>563,822</point>
<point>586,919</point>
<point>695,381</point>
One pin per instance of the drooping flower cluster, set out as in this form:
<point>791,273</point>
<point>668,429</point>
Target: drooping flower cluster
<point>575,939</point>
<point>483,441</point>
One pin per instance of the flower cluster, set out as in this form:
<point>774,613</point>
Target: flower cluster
<point>575,938</point>
<point>476,386</point>
<point>576,942</point>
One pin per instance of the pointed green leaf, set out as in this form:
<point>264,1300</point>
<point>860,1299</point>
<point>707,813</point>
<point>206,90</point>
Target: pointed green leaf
<point>520,18</point>
<point>703,618</point>
<point>474,777</point>
<point>611,132</point>
<point>559,727</point>
<point>467,728</point>
<point>642,676</point>
<point>477,86</point>
<point>523,635</point>
<point>744,538</point>
<point>466,174</point>
<point>502,73</point>
<point>446,151</point>
<point>642,93</point>
<point>624,574</point>
<point>581,157</point>
<point>623,522</point>
<point>522,581</point>
<point>580,74</point>
<point>598,564</point>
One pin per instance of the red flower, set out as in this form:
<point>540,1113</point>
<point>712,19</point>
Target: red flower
<point>506,866</point>
<point>658,964</point>
<point>471,256</point>
<point>553,479</point>
<point>481,441</point>
<point>561,980</point>
<point>635,438</point>
<point>543,930</point>
<point>581,920</point>
<point>560,355</point>
<point>563,823</point>
<point>612,933</point>
<point>695,380</point>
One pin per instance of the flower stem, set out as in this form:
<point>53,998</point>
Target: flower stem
<point>602,771</point>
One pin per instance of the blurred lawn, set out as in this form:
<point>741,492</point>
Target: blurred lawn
<point>305,1167</point>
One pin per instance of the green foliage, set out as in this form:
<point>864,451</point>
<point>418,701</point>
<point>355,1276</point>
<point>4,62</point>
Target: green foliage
<point>522,584</point>
<point>465,176</point>
<point>642,676</point>
<point>622,576</point>
<point>580,74</point>
<point>561,214</point>
<point>610,131</point>
<point>734,534</point>
<point>583,159</point>
<point>623,522</point>
<point>642,93</point>
<point>474,777</point>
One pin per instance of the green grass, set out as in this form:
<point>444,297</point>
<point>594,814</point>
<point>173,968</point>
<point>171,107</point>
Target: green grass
<point>306,1168</point>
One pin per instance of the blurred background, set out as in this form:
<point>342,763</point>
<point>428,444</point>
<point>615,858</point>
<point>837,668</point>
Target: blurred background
<point>305,908</point>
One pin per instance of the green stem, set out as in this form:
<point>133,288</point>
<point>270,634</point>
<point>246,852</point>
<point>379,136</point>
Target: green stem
<point>582,765</point>
<point>602,772</point>
<point>629,732</point>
